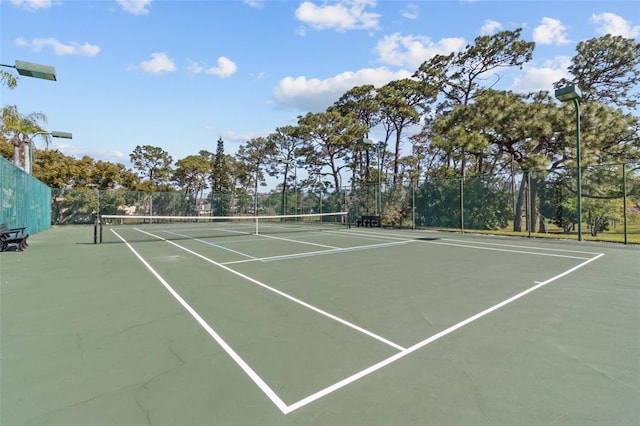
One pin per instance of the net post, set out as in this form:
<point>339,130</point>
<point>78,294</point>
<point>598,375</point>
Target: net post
<point>95,228</point>
<point>100,227</point>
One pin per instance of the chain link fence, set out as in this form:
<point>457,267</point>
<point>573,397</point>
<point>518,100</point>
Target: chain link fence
<point>540,203</point>
<point>535,203</point>
<point>24,200</point>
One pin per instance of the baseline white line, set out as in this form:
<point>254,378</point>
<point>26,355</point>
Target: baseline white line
<point>517,246</point>
<point>281,293</point>
<point>228,349</point>
<point>534,253</point>
<point>324,392</point>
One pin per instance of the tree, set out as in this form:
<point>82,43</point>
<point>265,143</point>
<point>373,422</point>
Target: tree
<point>222,181</point>
<point>458,76</point>
<point>8,79</point>
<point>329,140</point>
<point>191,175</point>
<point>401,104</point>
<point>255,156</point>
<point>287,143</point>
<point>107,175</point>
<point>607,71</point>
<point>153,163</point>
<point>18,129</point>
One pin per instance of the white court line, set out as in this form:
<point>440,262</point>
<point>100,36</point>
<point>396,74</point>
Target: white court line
<point>534,253</point>
<point>286,409</point>
<point>442,242</point>
<point>239,253</point>
<point>326,391</point>
<point>317,253</point>
<point>228,349</point>
<point>299,242</point>
<point>516,246</point>
<point>281,293</point>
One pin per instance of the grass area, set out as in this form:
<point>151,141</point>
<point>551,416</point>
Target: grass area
<point>616,235</point>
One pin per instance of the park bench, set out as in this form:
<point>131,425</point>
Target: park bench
<point>369,221</point>
<point>12,237</point>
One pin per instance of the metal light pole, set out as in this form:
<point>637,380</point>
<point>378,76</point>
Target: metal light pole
<point>379,145</point>
<point>28,157</point>
<point>567,94</point>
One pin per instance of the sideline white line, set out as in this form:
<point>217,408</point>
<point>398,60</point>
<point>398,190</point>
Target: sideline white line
<point>314,397</point>
<point>228,349</point>
<point>281,293</point>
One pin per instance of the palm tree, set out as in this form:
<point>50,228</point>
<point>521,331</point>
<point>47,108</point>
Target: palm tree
<point>18,129</point>
<point>8,79</point>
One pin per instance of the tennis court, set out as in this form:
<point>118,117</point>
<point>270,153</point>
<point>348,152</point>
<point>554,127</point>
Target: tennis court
<point>169,323</point>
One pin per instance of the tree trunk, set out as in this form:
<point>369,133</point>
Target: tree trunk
<point>520,204</point>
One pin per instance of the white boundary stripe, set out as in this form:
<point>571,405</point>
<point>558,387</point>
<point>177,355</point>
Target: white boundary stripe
<point>209,243</point>
<point>517,246</point>
<point>286,409</point>
<point>283,294</point>
<point>316,253</point>
<point>422,344</point>
<point>299,242</point>
<point>469,245</point>
<point>534,253</point>
<point>228,349</point>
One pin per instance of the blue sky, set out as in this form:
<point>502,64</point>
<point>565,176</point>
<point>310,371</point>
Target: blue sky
<point>181,74</point>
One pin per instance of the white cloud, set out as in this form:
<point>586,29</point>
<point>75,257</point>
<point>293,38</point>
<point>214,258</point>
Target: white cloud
<point>550,31</point>
<point>241,137</point>
<point>159,63</point>
<point>313,94</point>
<point>61,49</point>
<point>225,68</point>
<point>341,16</point>
<point>257,4</point>
<point>613,24</point>
<point>411,11</point>
<point>412,51</point>
<point>135,7</point>
<point>32,5</point>
<point>542,77</point>
<point>78,151</point>
<point>490,27</point>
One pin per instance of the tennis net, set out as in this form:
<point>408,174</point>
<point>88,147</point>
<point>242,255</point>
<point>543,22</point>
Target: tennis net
<point>120,228</point>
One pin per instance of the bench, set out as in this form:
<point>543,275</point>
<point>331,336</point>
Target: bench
<point>12,236</point>
<point>369,221</point>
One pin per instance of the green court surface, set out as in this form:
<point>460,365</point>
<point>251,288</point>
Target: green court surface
<point>359,326</point>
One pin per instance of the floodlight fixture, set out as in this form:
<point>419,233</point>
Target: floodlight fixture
<point>568,93</point>
<point>28,160</point>
<point>29,69</point>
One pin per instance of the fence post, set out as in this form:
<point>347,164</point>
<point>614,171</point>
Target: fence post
<point>462,203</point>
<point>624,200</point>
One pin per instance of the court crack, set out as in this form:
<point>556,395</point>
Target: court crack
<point>141,405</point>
<point>174,353</point>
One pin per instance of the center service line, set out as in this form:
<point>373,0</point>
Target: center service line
<point>283,294</point>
